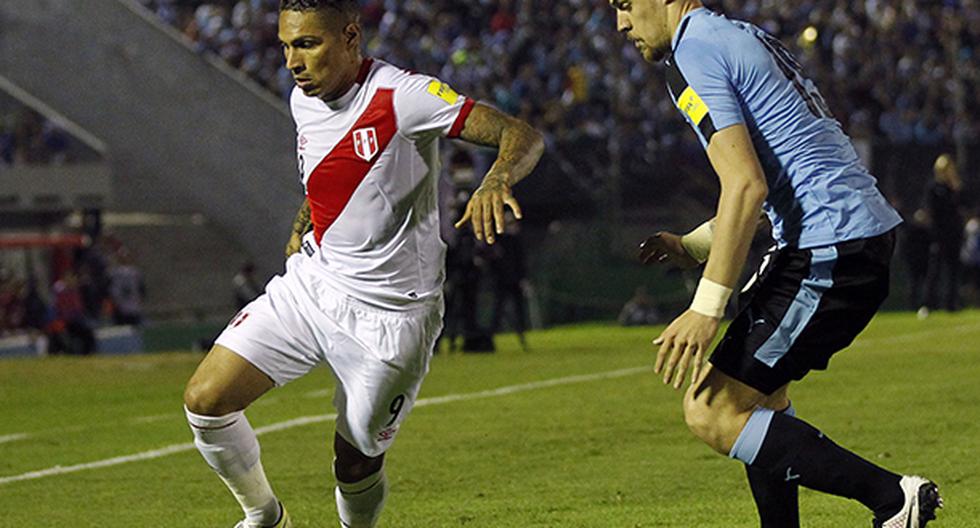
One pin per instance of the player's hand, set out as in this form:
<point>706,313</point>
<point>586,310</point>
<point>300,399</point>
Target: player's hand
<point>666,247</point>
<point>682,345</point>
<point>485,210</point>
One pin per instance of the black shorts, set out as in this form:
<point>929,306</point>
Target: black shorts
<point>805,305</point>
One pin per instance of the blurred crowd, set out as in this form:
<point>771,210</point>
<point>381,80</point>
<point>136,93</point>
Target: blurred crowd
<point>902,70</point>
<point>894,72</point>
<point>94,286</point>
<point>26,138</point>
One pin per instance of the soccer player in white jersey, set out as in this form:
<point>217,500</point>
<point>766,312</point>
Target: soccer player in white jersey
<point>362,289</point>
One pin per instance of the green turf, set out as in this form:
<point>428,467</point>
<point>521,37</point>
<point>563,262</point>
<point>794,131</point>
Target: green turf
<point>600,453</point>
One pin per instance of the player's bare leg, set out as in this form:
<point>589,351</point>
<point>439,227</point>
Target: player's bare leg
<point>361,485</point>
<point>215,398</point>
<point>727,415</point>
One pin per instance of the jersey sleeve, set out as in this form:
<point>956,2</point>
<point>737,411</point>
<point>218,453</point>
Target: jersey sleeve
<point>701,83</point>
<point>426,105</point>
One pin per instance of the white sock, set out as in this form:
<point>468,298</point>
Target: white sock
<point>230,447</point>
<point>359,504</point>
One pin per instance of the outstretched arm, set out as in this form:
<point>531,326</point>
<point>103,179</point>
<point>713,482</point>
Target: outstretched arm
<point>520,148</point>
<point>301,225</point>
<point>685,251</point>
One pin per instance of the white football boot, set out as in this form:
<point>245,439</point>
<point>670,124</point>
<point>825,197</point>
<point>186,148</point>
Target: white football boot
<point>921,502</point>
<point>283,522</point>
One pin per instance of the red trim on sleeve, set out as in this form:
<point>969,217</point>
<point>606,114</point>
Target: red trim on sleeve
<point>460,122</point>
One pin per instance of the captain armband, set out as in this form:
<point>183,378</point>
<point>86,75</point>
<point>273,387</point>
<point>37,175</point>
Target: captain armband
<point>697,243</point>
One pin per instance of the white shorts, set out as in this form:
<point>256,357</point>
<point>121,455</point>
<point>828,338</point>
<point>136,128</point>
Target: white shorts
<point>378,357</point>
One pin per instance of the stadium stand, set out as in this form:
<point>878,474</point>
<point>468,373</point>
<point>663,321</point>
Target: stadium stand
<point>607,117</point>
<point>563,72</point>
<point>611,129</point>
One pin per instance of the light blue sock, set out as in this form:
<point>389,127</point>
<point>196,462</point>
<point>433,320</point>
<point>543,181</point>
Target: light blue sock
<point>750,440</point>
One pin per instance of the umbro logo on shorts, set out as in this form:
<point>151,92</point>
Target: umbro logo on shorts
<point>387,434</point>
<point>308,248</point>
<point>239,319</point>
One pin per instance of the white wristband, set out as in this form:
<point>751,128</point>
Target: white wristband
<point>711,298</point>
<point>697,243</point>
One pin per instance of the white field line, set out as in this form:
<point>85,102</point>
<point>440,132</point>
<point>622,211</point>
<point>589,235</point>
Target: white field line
<point>13,437</point>
<point>966,328</point>
<point>154,418</point>
<point>268,400</point>
<point>308,420</point>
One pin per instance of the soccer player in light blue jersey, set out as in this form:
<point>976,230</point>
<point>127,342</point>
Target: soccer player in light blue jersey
<point>775,146</point>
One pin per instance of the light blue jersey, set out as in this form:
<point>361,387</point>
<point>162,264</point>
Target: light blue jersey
<point>725,72</point>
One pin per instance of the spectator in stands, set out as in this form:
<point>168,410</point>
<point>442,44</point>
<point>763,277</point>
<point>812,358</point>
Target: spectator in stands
<point>942,203</point>
<point>246,287</point>
<point>92,267</point>
<point>639,310</point>
<point>7,141</point>
<point>464,273</point>
<point>126,290</point>
<point>27,138</point>
<point>464,263</point>
<point>970,257</point>
<point>508,268</point>
<point>71,323</point>
<point>37,317</point>
<point>37,313</point>
<point>916,243</point>
<point>11,302</point>
<point>28,142</point>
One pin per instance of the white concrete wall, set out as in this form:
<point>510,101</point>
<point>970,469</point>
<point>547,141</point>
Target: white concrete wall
<point>184,134</point>
<point>55,188</point>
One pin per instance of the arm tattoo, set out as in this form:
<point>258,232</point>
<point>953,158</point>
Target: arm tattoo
<point>301,225</point>
<point>519,146</point>
<point>304,221</point>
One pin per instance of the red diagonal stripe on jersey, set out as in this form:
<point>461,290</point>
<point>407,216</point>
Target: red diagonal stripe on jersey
<point>338,175</point>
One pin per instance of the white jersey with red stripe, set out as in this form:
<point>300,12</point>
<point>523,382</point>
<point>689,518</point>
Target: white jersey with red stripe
<point>370,163</point>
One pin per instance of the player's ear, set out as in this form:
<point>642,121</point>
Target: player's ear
<point>352,34</point>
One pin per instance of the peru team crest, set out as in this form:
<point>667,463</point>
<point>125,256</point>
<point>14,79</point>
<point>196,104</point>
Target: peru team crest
<point>366,143</point>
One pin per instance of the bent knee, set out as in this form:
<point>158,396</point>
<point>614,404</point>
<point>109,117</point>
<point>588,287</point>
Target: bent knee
<point>355,469</point>
<point>714,425</point>
<point>698,417</point>
<point>204,398</point>
<point>351,465</point>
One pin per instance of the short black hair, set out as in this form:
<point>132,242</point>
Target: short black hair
<point>348,8</point>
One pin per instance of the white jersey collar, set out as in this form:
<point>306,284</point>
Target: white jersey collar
<point>362,75</point>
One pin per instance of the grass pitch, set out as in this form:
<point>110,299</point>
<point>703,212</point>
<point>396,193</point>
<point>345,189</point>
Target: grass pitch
<point>595,445</point>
